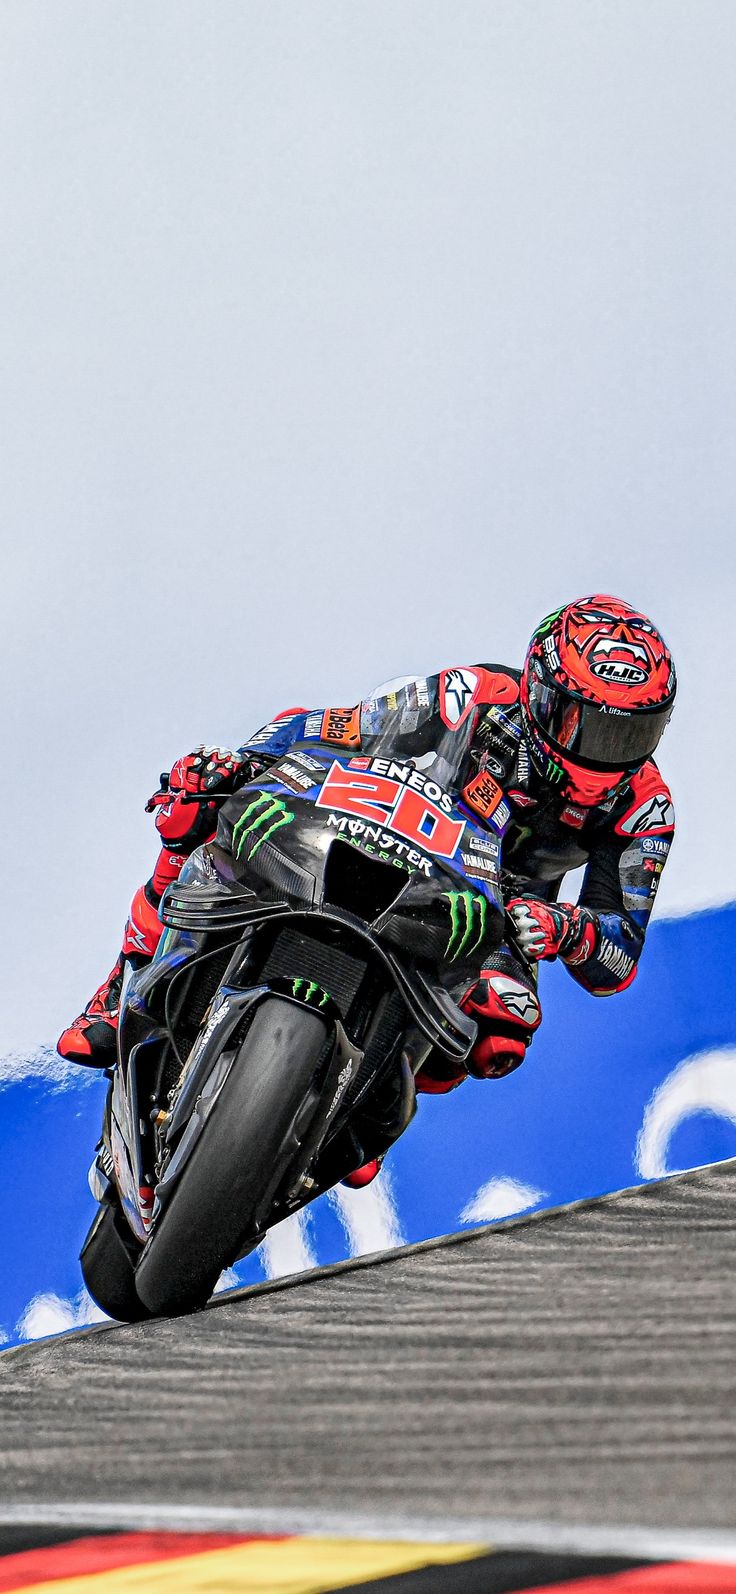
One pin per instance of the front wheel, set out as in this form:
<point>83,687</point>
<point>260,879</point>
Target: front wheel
<point>108,1261</point>
<point>236,1164</point>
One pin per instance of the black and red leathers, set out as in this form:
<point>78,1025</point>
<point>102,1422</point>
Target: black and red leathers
<point>622,842</point>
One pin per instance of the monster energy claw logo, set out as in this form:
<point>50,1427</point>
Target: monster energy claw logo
<point>264,810</point>
<point>309,990</point>
<point>468,919</point>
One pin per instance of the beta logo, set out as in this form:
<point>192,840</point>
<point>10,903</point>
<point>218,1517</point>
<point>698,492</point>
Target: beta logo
<point>484,794</point>
<point>385,801</point>
<point>342,725</point>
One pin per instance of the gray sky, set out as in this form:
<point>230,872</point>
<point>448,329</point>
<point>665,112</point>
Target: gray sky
<point>339,341</point>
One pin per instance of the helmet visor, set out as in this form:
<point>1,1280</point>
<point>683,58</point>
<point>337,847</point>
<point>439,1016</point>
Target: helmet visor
<point>590,734</point>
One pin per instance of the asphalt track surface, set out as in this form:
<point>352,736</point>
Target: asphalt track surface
<point>573,1369</point>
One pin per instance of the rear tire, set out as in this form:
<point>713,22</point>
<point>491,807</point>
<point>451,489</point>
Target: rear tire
<point>235,1166</point>
<point>108,1261</point>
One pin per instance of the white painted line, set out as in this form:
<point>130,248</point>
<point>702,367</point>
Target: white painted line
<point>501,1533</point>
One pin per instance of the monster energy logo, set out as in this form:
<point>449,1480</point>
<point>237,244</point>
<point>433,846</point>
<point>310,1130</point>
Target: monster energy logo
<point>308,991</point>
<point>468,918</point>
<point>547,624</point>
<point>264,810</point>
<point>554,772</point>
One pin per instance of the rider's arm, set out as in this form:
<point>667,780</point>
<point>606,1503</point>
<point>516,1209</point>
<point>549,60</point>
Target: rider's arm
<point>403,706</point>
<point>600,938</point>
<point>621,883</point>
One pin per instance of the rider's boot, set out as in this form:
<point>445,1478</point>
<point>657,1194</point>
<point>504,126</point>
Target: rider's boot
<point>92,1039</point>
<point>363,1176</point>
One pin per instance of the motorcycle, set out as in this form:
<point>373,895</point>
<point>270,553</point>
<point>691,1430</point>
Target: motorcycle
<point>313,958</point>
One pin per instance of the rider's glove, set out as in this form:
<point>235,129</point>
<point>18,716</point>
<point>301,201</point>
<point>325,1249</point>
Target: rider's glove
<point>185,806</point>
<point>552,929</point>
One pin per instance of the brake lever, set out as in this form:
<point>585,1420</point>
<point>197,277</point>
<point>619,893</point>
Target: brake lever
<point>511,937</point>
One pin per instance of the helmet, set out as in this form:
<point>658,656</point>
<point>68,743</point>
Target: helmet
<point>597,689</point>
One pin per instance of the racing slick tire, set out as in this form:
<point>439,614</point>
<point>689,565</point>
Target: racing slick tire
<point>108,1262</point>
<point>237,1163</point>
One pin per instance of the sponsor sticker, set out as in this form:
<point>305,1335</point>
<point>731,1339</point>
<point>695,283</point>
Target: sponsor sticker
<point>571,815</point>
<point>551,655</point>
<point>268,731</point>
<point>487,844</point>
<point>408,775</point>
<point>291,775</point>
<point>341,726</point>
<point>384,799</point>
<point>380,843</point>
<point>483,794</point>
<point>479,867</point>
<point>502,720</point>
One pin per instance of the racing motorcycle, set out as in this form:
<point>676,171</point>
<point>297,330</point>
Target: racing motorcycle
<point>313,957</point>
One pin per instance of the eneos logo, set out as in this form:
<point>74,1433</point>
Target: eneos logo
<point>404,802</point>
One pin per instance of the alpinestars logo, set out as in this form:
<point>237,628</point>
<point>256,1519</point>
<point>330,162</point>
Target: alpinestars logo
<point>264,810</point>
<point>657,814</point>
<point>457,692</point>
<point>468,920</point>
<point>519,1002</point>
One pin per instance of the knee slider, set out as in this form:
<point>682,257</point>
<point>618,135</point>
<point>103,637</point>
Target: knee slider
<point>498,998</point>
<point>508,1013</point>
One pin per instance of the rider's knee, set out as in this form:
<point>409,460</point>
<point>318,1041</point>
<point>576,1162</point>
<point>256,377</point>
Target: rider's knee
<point>507,1011</point>
<point>144,929</point>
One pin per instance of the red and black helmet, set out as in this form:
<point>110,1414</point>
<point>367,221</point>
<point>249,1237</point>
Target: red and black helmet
<point>597,689</point>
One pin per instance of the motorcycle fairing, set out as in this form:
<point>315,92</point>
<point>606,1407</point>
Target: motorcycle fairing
<point>281,853</point>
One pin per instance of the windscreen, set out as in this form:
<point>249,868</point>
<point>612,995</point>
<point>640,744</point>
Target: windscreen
<point>402,720</point>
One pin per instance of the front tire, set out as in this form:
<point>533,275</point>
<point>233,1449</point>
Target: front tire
<point>108,1261</point>
<point>235,1166</point>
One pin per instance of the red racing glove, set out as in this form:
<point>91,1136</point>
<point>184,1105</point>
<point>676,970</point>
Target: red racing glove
<point>206,773</point>
<point>552,929</point>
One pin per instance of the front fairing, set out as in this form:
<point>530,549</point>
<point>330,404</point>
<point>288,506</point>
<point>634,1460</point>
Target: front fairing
<point>286,837</point>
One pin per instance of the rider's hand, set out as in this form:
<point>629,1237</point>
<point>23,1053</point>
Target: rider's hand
<point>551,929</point>
<point>188,792</point>
<point>207,769</point>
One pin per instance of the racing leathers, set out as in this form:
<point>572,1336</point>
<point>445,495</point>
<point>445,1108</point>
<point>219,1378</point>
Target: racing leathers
<point>623,843</point>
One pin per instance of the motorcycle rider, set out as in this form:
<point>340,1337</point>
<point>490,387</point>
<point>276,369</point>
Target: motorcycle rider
<point>565,744</point>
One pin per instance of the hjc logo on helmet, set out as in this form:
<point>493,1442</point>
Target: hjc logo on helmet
<point>615,644</point>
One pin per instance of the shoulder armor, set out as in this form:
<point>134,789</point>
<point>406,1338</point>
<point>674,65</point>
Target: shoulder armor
<point>648,809</point>
<point>498,685</point>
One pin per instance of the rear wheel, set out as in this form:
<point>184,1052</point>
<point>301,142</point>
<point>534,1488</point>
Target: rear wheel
<point>237,1164</point>
<point>108,1261</point>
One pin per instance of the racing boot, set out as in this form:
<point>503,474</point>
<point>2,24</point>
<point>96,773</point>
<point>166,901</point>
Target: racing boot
<point>363,1176</point>
<point>92,1038</point>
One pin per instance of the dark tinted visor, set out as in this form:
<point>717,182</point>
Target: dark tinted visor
<point>592,734</point>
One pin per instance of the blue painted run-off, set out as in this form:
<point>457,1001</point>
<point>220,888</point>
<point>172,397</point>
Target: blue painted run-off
<point>566,1125</point>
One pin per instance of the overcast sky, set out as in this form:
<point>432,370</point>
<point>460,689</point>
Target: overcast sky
<point>339,341</point>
